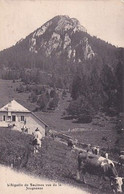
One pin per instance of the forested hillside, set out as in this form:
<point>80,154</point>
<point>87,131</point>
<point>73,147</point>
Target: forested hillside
<point>62,54</point>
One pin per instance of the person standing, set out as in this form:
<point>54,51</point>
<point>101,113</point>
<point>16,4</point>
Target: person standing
<point>37,134</point>
<point>37,140</point>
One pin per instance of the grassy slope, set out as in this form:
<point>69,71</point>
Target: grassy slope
<point>54,161</point>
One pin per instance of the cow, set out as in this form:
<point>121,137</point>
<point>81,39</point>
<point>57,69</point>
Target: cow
<point>100,166</point>
<point>36,144</point>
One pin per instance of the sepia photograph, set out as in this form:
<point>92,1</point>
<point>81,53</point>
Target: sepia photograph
<point>62,96</point>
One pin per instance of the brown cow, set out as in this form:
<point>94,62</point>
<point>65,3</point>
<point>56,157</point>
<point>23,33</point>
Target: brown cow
<point>100,166</point>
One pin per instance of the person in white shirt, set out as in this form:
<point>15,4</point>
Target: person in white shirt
<point>37,140</point>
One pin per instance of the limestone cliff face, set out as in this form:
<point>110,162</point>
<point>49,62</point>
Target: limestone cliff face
<point>57,36</point>
<point>60,41</point>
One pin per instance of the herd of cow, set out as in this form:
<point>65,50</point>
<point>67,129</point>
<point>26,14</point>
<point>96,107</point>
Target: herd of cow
<point>103,167</point>
<point>92,162</point>
<point>96,162</point>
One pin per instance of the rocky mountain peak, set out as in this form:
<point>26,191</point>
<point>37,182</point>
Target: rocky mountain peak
<point>65,23</point>
<point>60,24</point>
<point>57,36</point>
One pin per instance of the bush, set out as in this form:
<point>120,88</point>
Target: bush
<point>20,89</point>
<point>64,94</point>
<point>112,111</point>
<point>54,103</point>
<point>81,109</point>
<point>42,102</point>
<point>85,118</point>
<point>52,93</point>
<point>33,97</point>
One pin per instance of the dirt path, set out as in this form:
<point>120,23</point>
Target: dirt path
<point>14,182</point>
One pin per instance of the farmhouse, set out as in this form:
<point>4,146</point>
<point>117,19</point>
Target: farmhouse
<point>16,116</point>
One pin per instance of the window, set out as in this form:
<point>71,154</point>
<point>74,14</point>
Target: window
<point>13,118</point>
<point>22,118</point>
<point>4,117</point>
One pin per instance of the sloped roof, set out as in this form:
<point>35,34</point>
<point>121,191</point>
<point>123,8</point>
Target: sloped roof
<point>39,119</point>
<point>13,106</point>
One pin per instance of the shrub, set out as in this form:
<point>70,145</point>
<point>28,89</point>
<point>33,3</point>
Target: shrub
<point>52,93</point>
<point>64,93</point>
<point>20,89</point>
<point>54,102</point>
<point>33,97</point>
<point>85,118</point>
<point>42,102</point>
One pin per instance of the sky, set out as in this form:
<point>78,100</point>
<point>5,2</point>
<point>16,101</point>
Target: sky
<point>101,18</point>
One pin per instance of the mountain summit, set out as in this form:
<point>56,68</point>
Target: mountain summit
<point>57,37</point>
<point>61,53</point>
<point>60,37</point>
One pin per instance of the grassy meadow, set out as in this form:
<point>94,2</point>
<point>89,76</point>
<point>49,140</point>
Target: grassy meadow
<point>55,160</point>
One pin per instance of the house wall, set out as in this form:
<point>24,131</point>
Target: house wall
<point>31,122</point>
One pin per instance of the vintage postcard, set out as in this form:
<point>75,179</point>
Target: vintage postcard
<point>61,96</point>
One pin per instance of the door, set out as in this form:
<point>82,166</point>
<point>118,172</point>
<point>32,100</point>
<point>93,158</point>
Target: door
<point>13,118</point>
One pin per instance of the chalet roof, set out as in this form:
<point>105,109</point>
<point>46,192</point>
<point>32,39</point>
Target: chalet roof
<point>39,119</point>
<point>13,106</point>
